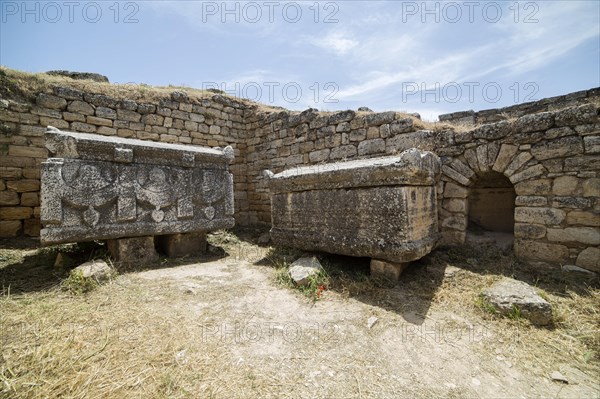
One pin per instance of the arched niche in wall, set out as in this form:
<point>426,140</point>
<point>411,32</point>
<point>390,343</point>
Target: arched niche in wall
<point>491,203</point>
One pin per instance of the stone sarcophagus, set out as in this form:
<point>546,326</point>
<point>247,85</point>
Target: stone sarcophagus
<point>96,187</point>
<point>383,208</point>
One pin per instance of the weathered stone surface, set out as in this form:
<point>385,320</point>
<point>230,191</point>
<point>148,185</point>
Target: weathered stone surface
<point>584,218</point>
<point>456,205</point>
<point>10,228</point>
<point>571,202</point>
<point>384,208</point>
<point>101,187</point>
<point>81,107</point>
<point>16,212</point>
<point>562,147</point>
<point>592,144</point>
<point>584,235</point>
<point>534,122</point>
<point>507,295</point>
<point>534,187</point>
<point>30,199</point>
<point>303,269</point>
<point>452,190</point>
<point>589,259</point>
<point>505,156</point>
<point>132,251</point>
<point>388,270</point>
<point>492,131</point>
<point>591,187</point>
<point>565,185</point>
<point>9,198</point>
<point>546,216</point>
<point>178,245</point>
<point>31,227</point>
<point>380,118</point>
<point>580,115</point>
<point>523,230</point>
<point>371,147</point>
<point>536,250</point>
<point>50,101</point>
<point>582,162</point>
<point>97,270</point>
<point>527,174</point>
<point>342,152</point>
<point>532,200</point>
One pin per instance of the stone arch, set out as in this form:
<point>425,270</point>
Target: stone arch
<point>493,165</point>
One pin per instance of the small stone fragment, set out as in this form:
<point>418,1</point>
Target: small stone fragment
<point>372,321</point>
<point>508,295</point>
<point>557,376</point>
<point>97,269</point>
<point>302,269</point>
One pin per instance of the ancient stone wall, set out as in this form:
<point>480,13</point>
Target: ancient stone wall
<point>173,118</point>
<point>551,160</point>
<point>548,150</point>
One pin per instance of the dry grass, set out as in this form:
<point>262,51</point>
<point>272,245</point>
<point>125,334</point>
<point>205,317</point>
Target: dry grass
<point>137,338</point>
<point>25,86</point>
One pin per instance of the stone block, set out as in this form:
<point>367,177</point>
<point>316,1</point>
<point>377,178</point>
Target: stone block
<point>130,116</point>
<point>452,190</point>
<point>31,227</point>
<point>542,215</point>
<point>27,152</point>
<point>23,186</point>
<point>388,270</point>
<point>374,146</point>
<point>50,101</point>
<point>591,187</point>
<point>583,218</point>
<point>8,198</point>
<point>8,172</point>
<point>584,235</point>
<point>138,251</point>
<point>589,259</point>
<point>562,147</point>
<point>565,185</point>
<point>107,113</point>
<point>591,144</point>
<point>455,205</point>
<point>94,120</point>
<point>81,107</point>
<point>10,228</point>
<point>30,199</point>
<point>534,187</point>
<point>541,251</point>
<point>505,157</point>
<point>179,245</point>
<point>16,212</point>
<point>508,294</point>
<point>529,231</point>
<point>345,151</point>
<point>99,187</point>
<point>383,208</point>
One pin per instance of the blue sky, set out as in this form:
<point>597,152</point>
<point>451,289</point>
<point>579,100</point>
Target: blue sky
<point>427,57</point>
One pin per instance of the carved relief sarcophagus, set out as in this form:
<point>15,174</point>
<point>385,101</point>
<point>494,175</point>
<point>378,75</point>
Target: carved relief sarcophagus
<point>97,187</point>
<point>383,208</point>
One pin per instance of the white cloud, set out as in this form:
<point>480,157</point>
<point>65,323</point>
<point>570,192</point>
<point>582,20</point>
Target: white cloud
<point>336,42</point>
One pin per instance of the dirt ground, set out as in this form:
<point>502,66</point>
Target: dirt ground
<point>224,326</point>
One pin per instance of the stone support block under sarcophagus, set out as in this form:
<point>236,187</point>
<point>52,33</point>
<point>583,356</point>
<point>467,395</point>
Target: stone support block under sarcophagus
<point>382,208</point>
<point>97,187</point>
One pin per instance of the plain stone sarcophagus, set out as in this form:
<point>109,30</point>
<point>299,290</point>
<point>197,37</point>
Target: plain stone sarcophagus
<point>383,208</point>
<point>97,187</point>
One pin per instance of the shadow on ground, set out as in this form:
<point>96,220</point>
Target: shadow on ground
<point>412,296</point>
